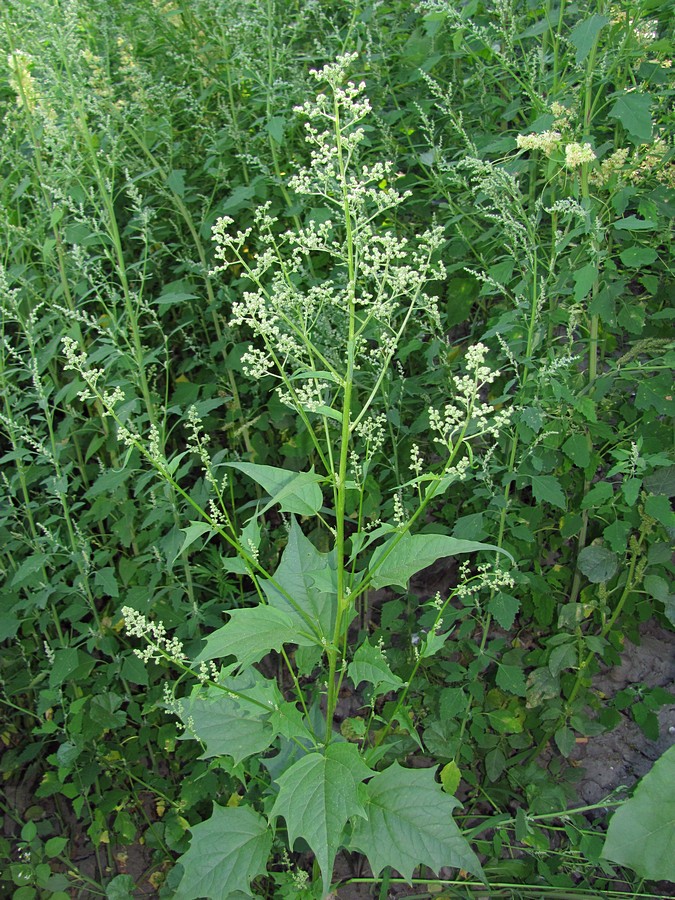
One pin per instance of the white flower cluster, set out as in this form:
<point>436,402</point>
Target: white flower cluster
<point>159,645</point>
<point>548,141</point>
<point>301,324</point>
<point>487,578</point>
<point>578,155</point>
<point>467,410</point>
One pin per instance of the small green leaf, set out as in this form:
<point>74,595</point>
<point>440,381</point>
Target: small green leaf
<point>308,578</point>
<point>504,608</point>
<point>402,556</point>
<point>250,634</point>
<point>55,846</point>
<point>105,579</point>
<point>450,777</point>
<point>317,796</point>
<point>641,833</point>
<point>565,741</point>
<point>564,656</point>
<point>226,852</point>
<point>658,507</point>
<point>193,532</point>
<point>546,489</point>
<point>275,129</point>
<point>121,887</point>
<point>495,763</point>
<point>295,492</point>
<point>511,679</point>
<point>616,535</point>
<point>176,182</point>
<point>577,449</point>
<point>636,257</point>
<point>409,823</point>
<point>583,280</point>
<point>370,665</point>
<point>598,564</point>
<point>631,490</point>
<point>432,643</point>
<point>633,110</point>
<point>632,223</point>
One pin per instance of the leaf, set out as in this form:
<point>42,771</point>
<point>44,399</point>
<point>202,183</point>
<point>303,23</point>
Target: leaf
<point>229,725</point>
<point>105,579</point>
<point>564,656</point>
<point>369,664</point>
<point>193,532</point>
<point>632,223</point>
<point>275,129</point>
<point>226,852</point>
<point>250,634</point>
<point>409,823</point>
<point>598,564</point>
<point>633,110</point>
<point>577,449</point>
<point>450,777</point>
<point>658,507</point>
<point>295,492</point>
<point>635,257</point>
<point>504,608</point>
<point>546,489</point>
<point>511,679</point>
<point>317,795</point>
<point>584,35</point>
<point>404,556</point>
<point>565,741</point>
<point>583,280</point>
<point>301,568</point>
<point>641,832</point>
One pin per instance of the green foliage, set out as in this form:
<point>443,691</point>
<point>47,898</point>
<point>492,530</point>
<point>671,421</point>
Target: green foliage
<point>266,388</point>
<point>640,833</point>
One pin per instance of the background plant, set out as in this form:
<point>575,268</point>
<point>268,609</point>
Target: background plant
<point>126,133</point>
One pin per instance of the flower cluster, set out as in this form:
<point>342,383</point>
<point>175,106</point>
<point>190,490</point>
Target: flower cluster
<point>160,646</point>
<point>578,155</point>
<point>467,410</point>
<point>547,141</point>
<point>368,271</point>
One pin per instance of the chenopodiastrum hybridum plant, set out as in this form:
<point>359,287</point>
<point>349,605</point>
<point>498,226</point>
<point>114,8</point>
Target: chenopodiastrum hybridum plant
<point>327,306</point>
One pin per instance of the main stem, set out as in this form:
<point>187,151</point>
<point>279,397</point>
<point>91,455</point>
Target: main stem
<point>340,492</point>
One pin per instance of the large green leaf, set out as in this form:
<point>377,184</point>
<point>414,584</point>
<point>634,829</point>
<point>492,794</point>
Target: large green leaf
<point>317,795</point>
<point>231,725</point>
<point>641,833</point>
<point>250,634</point>
<point>584,35</point>
<point>226,852</point>
<point>370,665</point>
<point>304,574</point>
<point>409,823</point>
<point>295,492</point>
<point>396,563</point>
<point>633,110</point>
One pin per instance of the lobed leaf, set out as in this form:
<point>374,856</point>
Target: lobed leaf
<point>317,795</point>
<point>250,634</point>
<point>409,823</point>
<point>226,852</point>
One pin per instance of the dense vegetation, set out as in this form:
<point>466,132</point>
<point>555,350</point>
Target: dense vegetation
<point>335,422</point>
